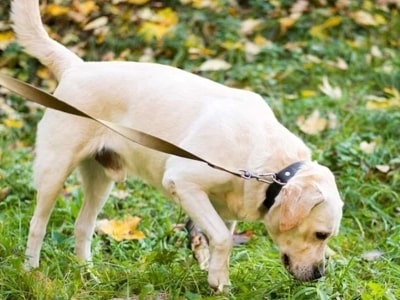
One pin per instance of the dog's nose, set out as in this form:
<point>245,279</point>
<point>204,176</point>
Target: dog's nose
<point>286,260</point>
<point>318,271</point>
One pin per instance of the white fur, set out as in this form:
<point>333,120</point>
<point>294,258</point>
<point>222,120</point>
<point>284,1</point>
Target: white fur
<point>230,127</point>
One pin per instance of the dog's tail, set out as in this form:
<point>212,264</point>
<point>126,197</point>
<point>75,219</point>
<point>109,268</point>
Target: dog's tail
<point>31,34</point>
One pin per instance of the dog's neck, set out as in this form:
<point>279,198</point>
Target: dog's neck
<point>281,178</point>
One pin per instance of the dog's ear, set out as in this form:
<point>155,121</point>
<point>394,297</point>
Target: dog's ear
<point>296,203</point>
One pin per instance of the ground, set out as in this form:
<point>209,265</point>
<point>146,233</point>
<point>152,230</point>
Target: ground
<point>331,72</point>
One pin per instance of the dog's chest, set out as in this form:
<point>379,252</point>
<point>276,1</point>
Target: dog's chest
<point>229,205</point>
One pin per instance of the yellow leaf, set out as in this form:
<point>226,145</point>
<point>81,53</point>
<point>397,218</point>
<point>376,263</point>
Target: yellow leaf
<point>43,73</point>
<point>287,22</point>
<point>378,103</point>
<point>332,22</point>
<point>392,99</point>
<point>6,38</point>
<point>260,40</point>
<point>86,7</point>
<point>392,92</point>
<point>313,124</point>
<point>159,25</point>
<point>229,45</point>
<point>380,20</point>
<point>56,10</point>
<point>150,30</point>
<point>138,2</point>
<point>12,123</point>
<point>320,31</point>
<point>121,229</point>
<point>213,4</point>
<point>307,93</point>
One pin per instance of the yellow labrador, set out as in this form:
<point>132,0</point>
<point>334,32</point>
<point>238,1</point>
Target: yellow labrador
<point>232,127</point>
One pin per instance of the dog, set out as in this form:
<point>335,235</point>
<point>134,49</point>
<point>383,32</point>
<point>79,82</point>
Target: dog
<point>233,127</point>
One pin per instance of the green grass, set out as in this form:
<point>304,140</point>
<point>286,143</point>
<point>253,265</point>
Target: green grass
<point>160,266</point>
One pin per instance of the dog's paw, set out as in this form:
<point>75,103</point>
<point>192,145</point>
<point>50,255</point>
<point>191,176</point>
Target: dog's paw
<point>219,282</point>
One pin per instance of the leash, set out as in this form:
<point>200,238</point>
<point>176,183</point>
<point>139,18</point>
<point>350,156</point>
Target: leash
<point>275,180</point>
<point>41,97</point>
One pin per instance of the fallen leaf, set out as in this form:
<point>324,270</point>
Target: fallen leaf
<point>307,93</point>
<point>138,2</point>
<point>392,99</point>
<point>340,64</point>
<point>158,25</point>
<point>376,52</point>
<point>56,10</point>
<point>299,6</point>
<point>383,168</point>
<point>96,23</point>
<point>247,27</point>
<point>371,255</point>
<point>320,31</point>
<point>85,7</point>
<point>215,65</point>
<point>12,123</point>
<point>120,229</point>
<point>288,22</point>
<point>212,4</point>
<point>313,124</point>
<point>363,18</point>
<point>367,147</point>
<point>329,90</point>
<point>6,38</point>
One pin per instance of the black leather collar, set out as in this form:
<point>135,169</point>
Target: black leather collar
<point>281,178</point>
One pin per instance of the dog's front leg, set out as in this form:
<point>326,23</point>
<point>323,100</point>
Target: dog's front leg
<point>197,205</point>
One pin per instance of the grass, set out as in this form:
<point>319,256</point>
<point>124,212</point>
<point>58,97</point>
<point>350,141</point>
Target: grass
<point>285,71</point>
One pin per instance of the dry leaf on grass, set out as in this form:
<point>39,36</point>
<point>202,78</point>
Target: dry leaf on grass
<point>367,147</point>
<point>329,90</point>
<point>313,124</point>
<point>371,255</point>
<point>119,230</point>
<point>383,168</point>
<point>215,65</point>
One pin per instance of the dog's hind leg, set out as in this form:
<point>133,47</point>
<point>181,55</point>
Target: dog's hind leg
<point>96,186</point>
<point>50,172</point>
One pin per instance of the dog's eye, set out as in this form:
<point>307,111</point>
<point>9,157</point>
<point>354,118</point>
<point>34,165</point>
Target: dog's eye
<point>321,235</point>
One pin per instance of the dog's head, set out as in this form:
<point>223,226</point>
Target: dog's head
<point>306,213</point>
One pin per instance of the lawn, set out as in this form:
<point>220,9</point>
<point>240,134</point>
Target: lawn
<point>331,72</point>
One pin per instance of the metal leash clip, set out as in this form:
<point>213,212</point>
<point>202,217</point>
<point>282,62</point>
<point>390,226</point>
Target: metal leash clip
<point>266,178</point>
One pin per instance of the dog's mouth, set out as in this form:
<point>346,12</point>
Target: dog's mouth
<point>301,272</point>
